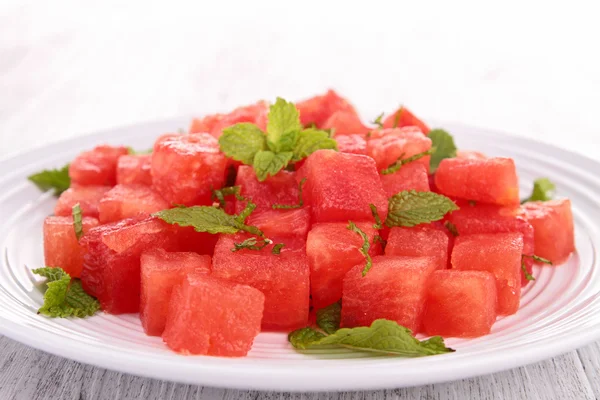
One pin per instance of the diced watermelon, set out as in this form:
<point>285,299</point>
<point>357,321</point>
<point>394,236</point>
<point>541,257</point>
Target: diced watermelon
<point>340,187</point>
<point>387,145</point>
<point>96,167</point>
<point>332,250</point>
<point>214,124</point>
<point>160,272</point>
<point>421,240</point>
<point>393,289</point>
<point>470,155</point>
<point>212,316</point>
<point>61,248</point>
<point>492,180</point>
<point>125,201</point>
<point>460,303</point>
<point>88,198</point>
<point>135,168</point>
<point>345,122</point>
<point>406,118</point>
<point>188,239</point>
<point>483,218</point>
<point>318,109</point>
<point>111,262</point>
<point>411,176</point>
<point>185,168</point>
<point>354,144</point>
<point>283,278</point>
<point>279,189</point>
<point>553,228</point>
<point>498,253</point>
<point>282,223</point>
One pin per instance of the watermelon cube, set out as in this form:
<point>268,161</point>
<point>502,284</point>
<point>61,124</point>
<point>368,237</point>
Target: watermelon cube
<point>354,144</point>
<point>213,316</point>
<point>411,176</point>
<point>111,261</point>
<point>393,289</point>
<point>491,180</point>
<point>460,303</point>
<point>553,228</point>
<point>498,253</point>
<point>387,145</point>
<point>96,167</point>
<point>129,200</point>
<point>345,122</point>
<point>185,168</point>
<point>61,247</point>
<point>214,124</point>
<point>188,239</point>
<point>340,187</point>
<point>318,109</point>
<point>483,218</point>
<point>332,250</point>
<point>279,189</point>
<point>282,223</point>
<point>283,278</point>
<point>135,168</point>
<point>88,198</point>
<point>403,117</point>
<point>160,272</point>
<point>421,240</point>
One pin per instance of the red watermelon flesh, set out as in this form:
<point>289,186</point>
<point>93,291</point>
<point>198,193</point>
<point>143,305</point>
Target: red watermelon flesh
<point>135,168</point>
<point>483,218</point>
<point>553,228</point>
<point>61,248</point>
<point>411,176</point>
<point>387,145</point>
<point>279,189</point>
<point>160,272</point>
<point>405,118</point>
<point>318,109</point>
<point>340,187</point>
<point>212,316</point>
<point>96,167</point>
<point>332,250</point>
<point>345,122</point>
<point>214,124</point>
<point>422,240</point>
<point>393,289</point>
<point>188,239</point>
<point>185,168</point>
<point>498,253</point>
<point>460,303</point>
<point>282,223</point>
<point>88,198</point>
<point>492,180</point>
<point>283,278</point>
<point>130,200</point>
<point>111,261</point>
<point>354,144</point>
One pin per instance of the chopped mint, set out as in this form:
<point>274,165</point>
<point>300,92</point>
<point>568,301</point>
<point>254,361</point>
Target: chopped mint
<point>220,194</point>
<point>57,179</point>
<point>277,248</point>
<point>77,221</point>
<point>329,318</point>
<point>134,152</point>
<point>300,199</point>
<point>451,228</point>
<point>410,208</point>
<point>397,117</point>
<point>396,165</point>
<point>252,244</point>
<point>528,276</point>
<point>543,190</point>
<point>378,224</point>
<point>443,144</point>
<point>378,121</point>
<point>539,259</point>
<point>364,248</point>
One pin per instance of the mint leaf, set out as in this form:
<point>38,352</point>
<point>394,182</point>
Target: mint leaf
<point>57,179</point>
<point>543,190</point>
<point>252,244</point>
<point>283,126</point>
<point>133,152</point>
<point>528,276</point>
<point>329,318</point>
<point>277,248</point>
<point>443,144</point>
<point>65,297</point>
<point>300,199</point>
<point>77,221</point>
<point>410,208</point>
<point>397,117</point>
<point>220,194</point>
<point>266,163</point>
<point>378,224</point>
<point>242,141</point>
<point>364,248</point>
<point>311,140</point>
<point>451,228</point>
<point>378,121</point>
<point>304,338</point>
<point>395,166</point>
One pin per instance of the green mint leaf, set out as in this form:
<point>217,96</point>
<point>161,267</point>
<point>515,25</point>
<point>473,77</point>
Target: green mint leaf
<point>251,244</point>
<point>451,228</point>
<point>443,144</point>
<point>220,194</point>
<point>80,304</point>
<point>329,318</point>
<point>528,276</point>
<point>266,163</point>
<point>378,224</point>
<point>277,248</point>
<point>539,259</point>
<point>397,117</point>
<point>304,338</point>
<point>300,199</point>
<point>77,221</point>
<point>311,140</point>
<point>134,152</point>
<point>410,208</point>
<point>283,126</point>
<point>364,248</point>
<point>57,179</point>
<point>378,121</point>
<point>242,141</point>
<point>395,166</point>
<point>543,190</point>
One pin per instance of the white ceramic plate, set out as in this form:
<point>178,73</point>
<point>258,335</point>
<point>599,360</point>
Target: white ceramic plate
<point>559,312</point>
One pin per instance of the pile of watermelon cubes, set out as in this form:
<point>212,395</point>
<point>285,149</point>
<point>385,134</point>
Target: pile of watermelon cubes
<point>203,298</point>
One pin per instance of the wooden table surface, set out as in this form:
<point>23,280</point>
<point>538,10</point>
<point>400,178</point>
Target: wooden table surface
<point>68,69</point>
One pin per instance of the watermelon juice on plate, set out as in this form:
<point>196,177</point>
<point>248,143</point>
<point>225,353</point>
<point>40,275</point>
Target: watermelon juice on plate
<point>299,218</point>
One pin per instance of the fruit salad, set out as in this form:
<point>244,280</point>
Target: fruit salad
<point>298,218</point>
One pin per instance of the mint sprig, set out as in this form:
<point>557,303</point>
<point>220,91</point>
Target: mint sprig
<point>409,208</point>
<point>543,190</point>
<point>57,179</point>
<point>443,144</point>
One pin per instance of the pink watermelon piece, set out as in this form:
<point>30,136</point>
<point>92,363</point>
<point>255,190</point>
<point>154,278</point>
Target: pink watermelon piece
<point>318,109</point>
<point>88,198</point>
<point>470,155</point>
<point>387,145</point>
<point>411,176</point>
<point>135,168</point>
<point>125,201</point>
<point>279,189</point>
<point>345,122</point>
<point>282,223</point>
<point>96,167</point>
<point>404,117</point>
<point>421,240</point>
<point>214,124</point>
<point>353,144</point>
